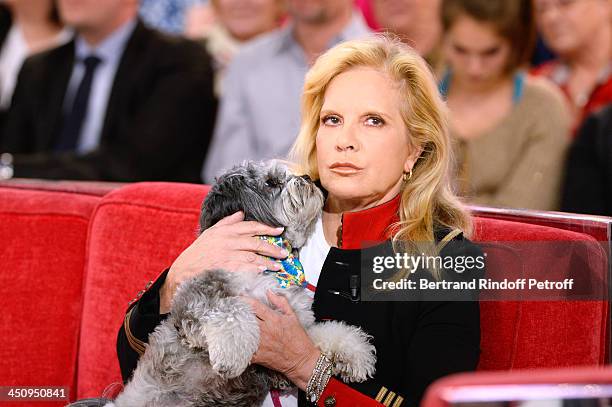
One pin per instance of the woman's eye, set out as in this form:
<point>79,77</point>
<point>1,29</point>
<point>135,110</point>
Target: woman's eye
<point>374,121</point>
<point>331,120</point>
<point>491,52</point>
<point>459,50</point>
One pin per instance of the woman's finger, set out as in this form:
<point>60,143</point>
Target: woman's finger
<point>262,311</point>
<point>257,245</point>
<point>241,266</point>
<point>231,219</point>
<point>280,302</point>
<point>264,263</point>
<point>252,228</point>
<point>260,264</point>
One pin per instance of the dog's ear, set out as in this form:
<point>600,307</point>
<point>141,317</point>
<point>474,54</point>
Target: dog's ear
<point>220,202</point>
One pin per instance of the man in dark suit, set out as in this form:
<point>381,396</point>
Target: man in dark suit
<point>121,102</point>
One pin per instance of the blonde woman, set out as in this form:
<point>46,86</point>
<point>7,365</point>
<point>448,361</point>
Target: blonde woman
<point>374,136</point>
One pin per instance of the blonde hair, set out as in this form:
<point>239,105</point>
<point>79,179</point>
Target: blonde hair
<point>427,201</point>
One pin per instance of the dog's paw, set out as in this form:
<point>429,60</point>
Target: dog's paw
<point>230,356</point>
<point>232,340</point>
<point>353,354</point>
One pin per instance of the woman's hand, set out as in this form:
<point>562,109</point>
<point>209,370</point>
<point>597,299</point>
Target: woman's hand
<point>231,244</point>
<point>284,345</point>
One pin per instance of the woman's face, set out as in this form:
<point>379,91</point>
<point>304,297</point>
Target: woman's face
<point>477,55</point>
<point>568,25</point>
<point>245,19</point>
<point>362,142</point>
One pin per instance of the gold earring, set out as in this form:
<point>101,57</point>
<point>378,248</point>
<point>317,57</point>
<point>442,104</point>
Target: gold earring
<point>407,176</point>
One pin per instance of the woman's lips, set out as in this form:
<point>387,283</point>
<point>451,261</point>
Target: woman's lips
<point>344,168</point>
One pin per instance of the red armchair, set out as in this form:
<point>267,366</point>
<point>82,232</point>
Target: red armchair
<point>73,261</point>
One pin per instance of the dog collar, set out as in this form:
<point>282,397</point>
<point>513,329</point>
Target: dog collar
<point>292,271</point>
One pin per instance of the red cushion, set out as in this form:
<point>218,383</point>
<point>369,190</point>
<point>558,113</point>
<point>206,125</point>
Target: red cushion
<point>136,232</point>
<point>42,247</point>
<point>531,334</point>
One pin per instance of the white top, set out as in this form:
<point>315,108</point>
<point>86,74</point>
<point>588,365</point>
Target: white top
<point>312,257</point>
<point>314,253</point>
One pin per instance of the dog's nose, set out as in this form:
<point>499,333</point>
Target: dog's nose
<point>305,177</point>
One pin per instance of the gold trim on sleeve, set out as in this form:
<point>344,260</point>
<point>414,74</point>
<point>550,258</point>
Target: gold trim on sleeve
<point>381,394</point>
<point>135,343</point>
<point>389,399</point>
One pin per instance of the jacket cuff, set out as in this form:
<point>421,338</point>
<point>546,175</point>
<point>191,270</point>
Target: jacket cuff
<point>143,314</point>
<point>339,394</point>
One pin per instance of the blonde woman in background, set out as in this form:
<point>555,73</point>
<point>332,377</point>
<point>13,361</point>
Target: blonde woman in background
<point>511,130</point>
<point>374,136</point>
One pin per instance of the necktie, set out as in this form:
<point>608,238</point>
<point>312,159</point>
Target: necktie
<point>73,122</point>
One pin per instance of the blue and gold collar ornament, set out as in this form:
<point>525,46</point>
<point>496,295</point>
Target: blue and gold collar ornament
<point>292,271</point>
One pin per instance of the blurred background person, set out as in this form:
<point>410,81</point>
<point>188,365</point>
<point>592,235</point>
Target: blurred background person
<point>579,32</point>
<point>416,22</point>
<point>511,130</point>
<point>259,114</point>
<point>169,16</point>
<point>26,27</point>
<point>235,22</point>
<point>588,176</point>
<point>121,102</point>
<point>200,18</point>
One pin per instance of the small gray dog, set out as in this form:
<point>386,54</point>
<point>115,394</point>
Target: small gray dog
<point>200,355</point>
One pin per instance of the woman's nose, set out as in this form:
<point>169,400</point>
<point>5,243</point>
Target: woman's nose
<point>346,139</point>
<point>474,66</point>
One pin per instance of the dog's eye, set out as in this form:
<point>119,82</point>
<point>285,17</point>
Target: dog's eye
<point>273,183</point>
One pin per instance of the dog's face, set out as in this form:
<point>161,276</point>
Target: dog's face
<point>268,193</point>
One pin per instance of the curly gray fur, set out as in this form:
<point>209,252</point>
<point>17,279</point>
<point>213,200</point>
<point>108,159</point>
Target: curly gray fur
<point>200,355</point>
